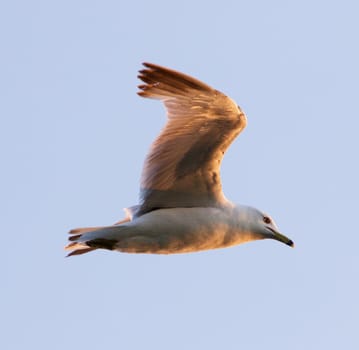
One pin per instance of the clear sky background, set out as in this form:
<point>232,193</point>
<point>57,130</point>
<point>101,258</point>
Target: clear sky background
<point>73,138</point>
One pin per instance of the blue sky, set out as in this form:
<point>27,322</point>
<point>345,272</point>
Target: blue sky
<point>73,138</point>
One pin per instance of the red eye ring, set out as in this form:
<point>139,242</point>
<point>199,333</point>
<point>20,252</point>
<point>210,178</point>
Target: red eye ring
<point>267,220</point>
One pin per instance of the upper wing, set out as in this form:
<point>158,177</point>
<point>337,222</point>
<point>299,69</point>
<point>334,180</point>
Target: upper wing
<point>182,167</point>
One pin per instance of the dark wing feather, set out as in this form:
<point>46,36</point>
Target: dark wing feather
<point>182,167</point>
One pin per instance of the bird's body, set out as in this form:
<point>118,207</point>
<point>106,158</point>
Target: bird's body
<point>177,230</point>
<point>182,208</point>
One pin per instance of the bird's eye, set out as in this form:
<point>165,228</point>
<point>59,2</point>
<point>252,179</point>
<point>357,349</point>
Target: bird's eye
<point>266,220</point>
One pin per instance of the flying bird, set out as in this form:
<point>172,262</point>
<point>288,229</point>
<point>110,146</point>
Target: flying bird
<point>182,207</point>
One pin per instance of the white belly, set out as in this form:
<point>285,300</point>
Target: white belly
<point>180,230</point>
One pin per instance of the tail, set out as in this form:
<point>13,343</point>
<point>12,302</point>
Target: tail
<point>92,238</point>
<point>76,245</point>
<point>80,246</point>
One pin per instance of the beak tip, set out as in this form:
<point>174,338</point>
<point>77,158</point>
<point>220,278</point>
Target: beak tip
<point>281,238</point>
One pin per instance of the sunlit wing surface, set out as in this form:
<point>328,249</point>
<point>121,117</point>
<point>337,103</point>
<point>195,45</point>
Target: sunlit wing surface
<point>182,168</point>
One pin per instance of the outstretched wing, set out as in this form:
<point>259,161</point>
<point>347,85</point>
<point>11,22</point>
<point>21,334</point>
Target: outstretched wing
<point>183,164</point>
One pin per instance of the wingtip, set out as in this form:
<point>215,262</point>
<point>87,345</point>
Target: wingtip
<point>77,248</point>
<point>80,252</point>
<point>74,245</point>
<point>149,65</point>
<point>144,86</point>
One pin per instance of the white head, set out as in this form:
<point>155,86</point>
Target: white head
<point>260,225</point>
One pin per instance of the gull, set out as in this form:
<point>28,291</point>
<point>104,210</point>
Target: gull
<point>182,207</point>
